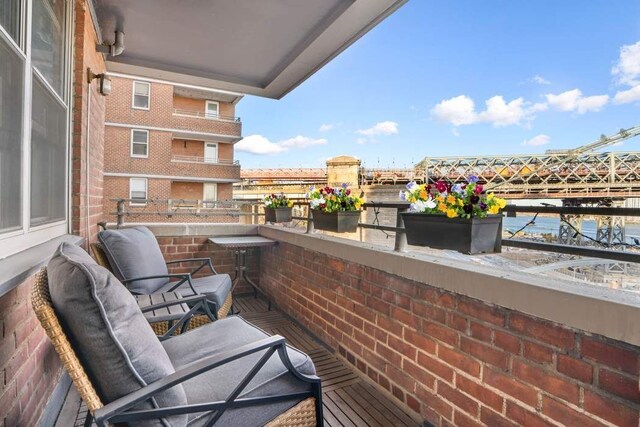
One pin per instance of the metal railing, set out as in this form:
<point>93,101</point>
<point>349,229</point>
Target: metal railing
<point>593,248</point>
<point>205,115</point>
<point>205,160</point>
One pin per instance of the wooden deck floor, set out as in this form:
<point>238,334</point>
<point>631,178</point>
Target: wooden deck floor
<point>348,399</point>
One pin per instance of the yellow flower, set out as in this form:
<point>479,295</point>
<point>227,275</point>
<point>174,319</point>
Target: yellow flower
<point>289,204</point>
<point>423,194</point>
<point>494,209</point>
<point>501,202</point>
<point>490,196</point>
<point>459,202</point>
<point>439,198</point>
<point>451,199</point>
<point>442,207</point>
<point>451,213</point>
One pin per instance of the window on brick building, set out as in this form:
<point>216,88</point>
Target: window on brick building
<point>35,77</point>
<point>138,191</point>
<point>139,143</point>
<point>141,93</point>
<point>212,109</point>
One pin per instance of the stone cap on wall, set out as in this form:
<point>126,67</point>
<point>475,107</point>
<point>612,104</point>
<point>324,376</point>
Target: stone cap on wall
<point>343,160</point>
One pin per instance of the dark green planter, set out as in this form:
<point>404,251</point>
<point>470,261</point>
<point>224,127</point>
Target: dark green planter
<point>277,214</point>
<point>338,222</point>
<point>469,236</point>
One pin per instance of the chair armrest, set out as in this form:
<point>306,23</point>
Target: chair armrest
<point>185,277</point>
<point>115,411</point>
<point>204,261</point>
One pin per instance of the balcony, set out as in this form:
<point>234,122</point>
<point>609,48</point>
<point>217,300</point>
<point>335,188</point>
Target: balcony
<point>204,160</point>
<point>443,337</point>
<point>195,121</point>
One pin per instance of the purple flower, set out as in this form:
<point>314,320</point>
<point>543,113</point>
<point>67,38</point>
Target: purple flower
<point>483,206</point>
<point>344,185</point>
<point>467,208</point>
<point>402,196</point>
<point>474,199</point>
<point>472,178</point>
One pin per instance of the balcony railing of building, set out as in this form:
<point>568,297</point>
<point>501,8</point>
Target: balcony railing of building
<point>205,115</point>
<point>588,246</point>
<point>205,160</point>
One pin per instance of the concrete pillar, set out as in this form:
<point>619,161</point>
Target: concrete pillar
<point>343,169</point>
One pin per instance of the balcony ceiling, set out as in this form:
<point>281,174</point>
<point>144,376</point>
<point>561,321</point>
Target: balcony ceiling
<point>260,47</point>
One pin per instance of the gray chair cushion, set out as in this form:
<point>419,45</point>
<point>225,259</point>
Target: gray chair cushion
<point>215,287</point>
<point>109,333</point>
<point>217,384</point>
<point>134,252</point>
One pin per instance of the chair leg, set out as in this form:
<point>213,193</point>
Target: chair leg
<point>88,420</point>
<point>319,411</point>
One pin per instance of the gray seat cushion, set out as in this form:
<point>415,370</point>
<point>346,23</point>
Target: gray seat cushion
<point>134,252</point>
<point>216,287</point>
<point>109,333</point>
<point>217,384</point>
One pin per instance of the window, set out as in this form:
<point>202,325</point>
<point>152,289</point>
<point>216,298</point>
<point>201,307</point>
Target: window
<point>211,109</point>
<point>209,195</point>
<point>139,143</point>
<point>141,92</point>
<point>210,152</point>
<point>11,112</point>
<point>138,191</point>
<point>10,17</point>
<point>35,77</point>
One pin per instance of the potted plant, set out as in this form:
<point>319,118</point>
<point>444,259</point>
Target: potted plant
<point>461,217</point>
<point>335,209</point>
<point>277,208</point>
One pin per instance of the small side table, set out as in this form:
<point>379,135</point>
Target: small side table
<point>241,245</point>
<point>172,313</point>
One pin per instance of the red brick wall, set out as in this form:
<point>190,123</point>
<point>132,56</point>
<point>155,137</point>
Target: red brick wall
<point>86,139</point>
<point>453,359</point>
<point>29,366</point>
<point>223,260</point>
<point>160,113</point>
<point>117,157</point>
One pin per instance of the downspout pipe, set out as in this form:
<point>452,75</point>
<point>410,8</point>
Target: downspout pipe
<point>114,49</point>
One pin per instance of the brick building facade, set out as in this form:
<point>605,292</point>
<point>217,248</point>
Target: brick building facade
<point>171,143</point>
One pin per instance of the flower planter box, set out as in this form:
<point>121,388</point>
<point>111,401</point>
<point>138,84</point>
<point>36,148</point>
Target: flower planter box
<point>277,214</point>
<point>338,222</point>
<point>469,236</point>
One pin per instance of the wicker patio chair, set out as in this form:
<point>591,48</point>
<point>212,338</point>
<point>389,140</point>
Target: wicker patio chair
<point>134,257</point>
<point>129,408</point>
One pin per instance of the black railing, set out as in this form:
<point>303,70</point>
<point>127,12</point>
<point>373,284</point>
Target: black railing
<point>595,249</point>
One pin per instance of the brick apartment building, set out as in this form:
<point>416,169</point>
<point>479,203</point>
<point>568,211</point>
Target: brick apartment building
<point>172,143</point>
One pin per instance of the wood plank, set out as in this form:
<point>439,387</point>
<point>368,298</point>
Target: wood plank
<point>372,406</point>
<point>346,409</point>
<point>363,412</point>
<point>341,417</point>
<point>391,406</point>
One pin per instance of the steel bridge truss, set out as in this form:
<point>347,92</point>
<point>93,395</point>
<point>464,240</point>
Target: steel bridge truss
<point>555,175</point>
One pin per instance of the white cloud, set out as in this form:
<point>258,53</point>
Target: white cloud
<point>325,127</point>
<point>301,142</point>
<point>539,106</point>
<point>537,140</point>
<point>458,111</point>
<point>627,96</point>
<point>627,70</point>
<point>501,114</point>
<point>361,141</point>
<point>540,80</point>
<point>379,129</point>
<point>573,100</point>
<point>258,144</point>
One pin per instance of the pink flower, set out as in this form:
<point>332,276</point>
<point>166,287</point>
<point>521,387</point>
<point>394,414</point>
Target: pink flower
<point>478,189</point>
<point>441,186</point>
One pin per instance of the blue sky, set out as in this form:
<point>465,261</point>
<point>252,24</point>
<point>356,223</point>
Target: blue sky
<point>452,78</point>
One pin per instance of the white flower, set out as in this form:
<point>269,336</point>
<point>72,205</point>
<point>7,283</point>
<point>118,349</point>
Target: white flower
<point>418,206</point>
<point>430,203</point>
<point>268,202</point>
<point>314,203</point>
<point>411,186</point>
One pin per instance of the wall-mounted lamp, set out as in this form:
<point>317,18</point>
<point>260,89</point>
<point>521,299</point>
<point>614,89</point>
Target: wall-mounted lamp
<point>105,82</point>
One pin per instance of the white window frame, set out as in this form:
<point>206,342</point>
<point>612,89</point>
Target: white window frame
<point>206,109</point>
<point>146,191</point>
<point>28,236</point>
<point>133,95</point>
<point>215,159</point>
<point>141,156</point>
<point>207,204</point>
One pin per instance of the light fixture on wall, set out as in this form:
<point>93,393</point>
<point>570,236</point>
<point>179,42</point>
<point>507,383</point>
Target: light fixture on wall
<point>105,82</point>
